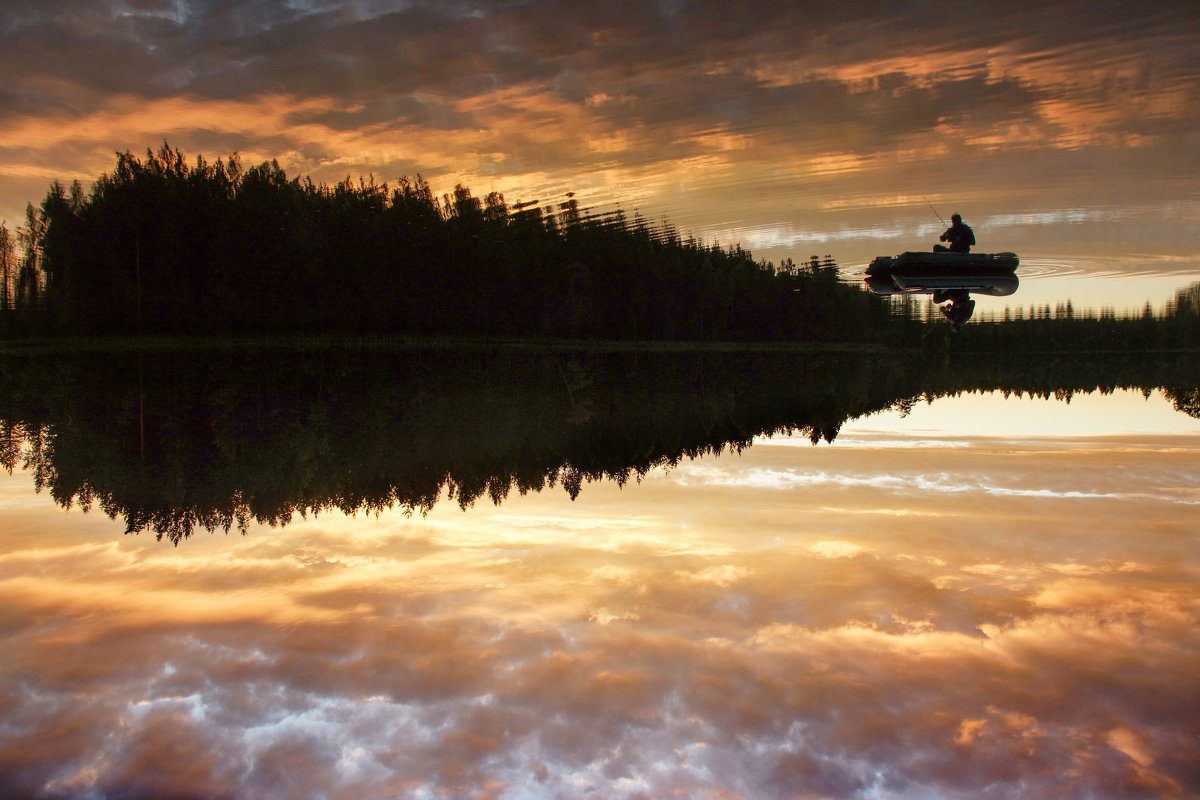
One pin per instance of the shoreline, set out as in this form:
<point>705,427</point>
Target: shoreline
<point>367,342</point>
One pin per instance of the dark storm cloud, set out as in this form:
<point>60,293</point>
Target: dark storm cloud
<point>671,67</point>
<point>235,49</point>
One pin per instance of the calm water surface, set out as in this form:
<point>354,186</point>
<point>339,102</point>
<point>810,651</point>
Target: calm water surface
<point>980,597</point>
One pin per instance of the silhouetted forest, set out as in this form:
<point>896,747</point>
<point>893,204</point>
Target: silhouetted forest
<point>163,246</point>
<point>177,441</point>
<point>1066,329</point>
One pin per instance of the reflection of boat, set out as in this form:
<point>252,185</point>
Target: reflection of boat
<point>911,273</point>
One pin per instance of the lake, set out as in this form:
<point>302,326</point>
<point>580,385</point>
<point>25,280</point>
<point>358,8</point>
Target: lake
<point>498,573</point>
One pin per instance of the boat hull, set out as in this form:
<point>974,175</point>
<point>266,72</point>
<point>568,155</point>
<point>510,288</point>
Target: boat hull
<point>916,273</point>
<point>944,264</point>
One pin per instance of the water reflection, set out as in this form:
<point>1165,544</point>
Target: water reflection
<point>174,442</point>
<point>948,275</point>
<point>956,616</point>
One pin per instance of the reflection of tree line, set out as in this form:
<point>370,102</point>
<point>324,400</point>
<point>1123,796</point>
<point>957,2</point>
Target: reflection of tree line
<point>172,442</point>
<point>1176,375</point>
<point>161,245</point>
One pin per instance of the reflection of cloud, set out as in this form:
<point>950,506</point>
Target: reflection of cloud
<point>832,549</point>
<point>475,654</point>
<point>864,442</point>
<point>933,483</point>
<point>775,649</point>
<point>439,715</point>
<point>723,575</point>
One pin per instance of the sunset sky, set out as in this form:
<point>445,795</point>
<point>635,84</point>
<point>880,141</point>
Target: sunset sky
<point>915,611</point>
<point>1068,132</point>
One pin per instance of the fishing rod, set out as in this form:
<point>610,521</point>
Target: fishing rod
<point>935,211</point>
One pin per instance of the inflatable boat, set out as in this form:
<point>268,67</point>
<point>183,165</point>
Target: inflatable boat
<point>914,273</point>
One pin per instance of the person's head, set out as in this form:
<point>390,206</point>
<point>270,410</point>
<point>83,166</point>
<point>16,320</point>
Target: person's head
<point>956,218</point>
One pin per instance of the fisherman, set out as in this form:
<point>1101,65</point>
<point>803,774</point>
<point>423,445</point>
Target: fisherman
<point>960,237</point>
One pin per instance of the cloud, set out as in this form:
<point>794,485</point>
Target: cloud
<point>840,85</point>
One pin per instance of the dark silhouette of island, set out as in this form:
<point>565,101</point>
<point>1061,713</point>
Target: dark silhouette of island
<point>164,246</point>
<point>175,441</point>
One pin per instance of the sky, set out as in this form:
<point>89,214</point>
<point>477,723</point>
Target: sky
<point>913,611</point>
<point>1068,132</point>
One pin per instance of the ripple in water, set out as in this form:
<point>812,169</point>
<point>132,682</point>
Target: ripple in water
<point>1055,268</point>
<point>1111,268</point>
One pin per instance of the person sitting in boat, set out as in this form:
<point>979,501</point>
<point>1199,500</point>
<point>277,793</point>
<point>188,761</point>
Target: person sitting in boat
<point>959,235</point>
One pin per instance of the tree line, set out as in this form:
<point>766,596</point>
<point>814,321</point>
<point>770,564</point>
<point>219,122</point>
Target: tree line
<point>164,245</point>
<point>1066,329</point>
